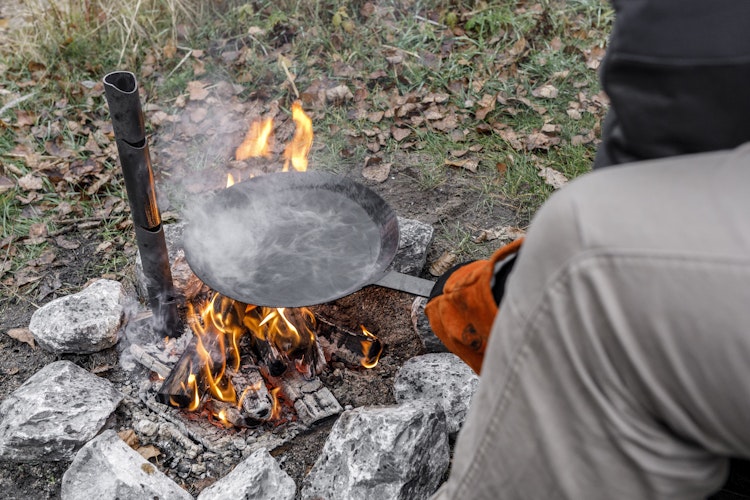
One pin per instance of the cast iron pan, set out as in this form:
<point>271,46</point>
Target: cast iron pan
<point>291,239</point>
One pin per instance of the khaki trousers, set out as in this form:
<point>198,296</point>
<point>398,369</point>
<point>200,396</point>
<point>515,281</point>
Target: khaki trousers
<point>619,363</point>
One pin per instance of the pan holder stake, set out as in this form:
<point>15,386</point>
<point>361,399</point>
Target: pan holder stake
<point>121,91</point>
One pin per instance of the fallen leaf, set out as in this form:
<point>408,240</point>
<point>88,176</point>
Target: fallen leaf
<point>467,164</point>
<point>130,438</point>
<point>196,90</point>
<point>375,116</point>
<point>377,172</point>
<point>30,183</point>
<point>339,94</point>
<point>486,105</point>
<point>22,335</point>
<point>443,263</point>
<point>507,233</point>
<point>103,247</point>
<point>149,451</point>
<point>546,91</point>
<point>552,177</point>
<point>540,140</point>
<point>169,50</point>
<point>458,153</point>
<point>6,184</point>
<point>101,368</point>
<point>37,229</point>
<point>574,114</point>
<point>400,133</point>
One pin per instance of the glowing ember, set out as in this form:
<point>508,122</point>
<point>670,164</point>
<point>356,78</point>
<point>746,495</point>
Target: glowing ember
<point>371,350</point>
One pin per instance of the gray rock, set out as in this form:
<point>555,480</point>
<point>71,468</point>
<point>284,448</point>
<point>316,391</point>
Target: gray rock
<point>81,323</point>
<point>54,413</point>
<point>258,477</point>
<point>414,238</point>
<point>107,468</point>
<point>394,452</point>
<point>442,378</point>
<point>421,326</point>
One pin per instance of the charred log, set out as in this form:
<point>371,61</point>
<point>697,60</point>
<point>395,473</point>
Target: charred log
<point>352,348</point>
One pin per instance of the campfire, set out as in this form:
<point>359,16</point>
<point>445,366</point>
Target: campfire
<point>241,355</point>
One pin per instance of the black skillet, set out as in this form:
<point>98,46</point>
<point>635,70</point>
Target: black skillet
<point>292,239</point>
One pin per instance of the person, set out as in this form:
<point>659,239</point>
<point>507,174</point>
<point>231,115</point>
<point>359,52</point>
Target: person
<point>614,365</point>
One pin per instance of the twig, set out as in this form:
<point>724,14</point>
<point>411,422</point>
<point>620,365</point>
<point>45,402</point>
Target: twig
<point>182,61</point>
<point>149,361</point>
<point>16,102</point>
<point>430,21</point>
<point>289,76</point>
<point>413,54</point>
<point>130,30</point>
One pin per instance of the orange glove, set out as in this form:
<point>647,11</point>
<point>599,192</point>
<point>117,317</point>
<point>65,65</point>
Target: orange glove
<point>462,315</point>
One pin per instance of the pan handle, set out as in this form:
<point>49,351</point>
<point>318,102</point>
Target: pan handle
<point>406,283</point>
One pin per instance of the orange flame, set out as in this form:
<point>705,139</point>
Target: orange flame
<point>296,151</point>
<point>371,349</point>
<point>276,408</point>
<point>257,141</point>
<point>274,325</point>
<point>213,329</point>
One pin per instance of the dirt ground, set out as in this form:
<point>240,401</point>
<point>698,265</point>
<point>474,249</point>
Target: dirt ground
<point>387,312</point>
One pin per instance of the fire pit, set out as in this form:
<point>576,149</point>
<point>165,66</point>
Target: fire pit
<point>251,359</point>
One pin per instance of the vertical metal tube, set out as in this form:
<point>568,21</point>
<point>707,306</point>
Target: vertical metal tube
<point>121,91</point>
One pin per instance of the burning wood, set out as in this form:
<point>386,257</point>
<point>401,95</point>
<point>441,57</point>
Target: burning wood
<point>352,348</point>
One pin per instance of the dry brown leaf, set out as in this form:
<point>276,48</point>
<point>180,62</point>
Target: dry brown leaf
<point>38,229</point>
<point>377,172</point>
<point>546,91</point>
<point>574,114</point>
<point>458,153</point>
<point>30,183</point>
<point>67,244</point>
<point>467,164</point>
<point>6,184</point>
<point>510,136</point>
<point>339,94</point>
<point>518,47</point>
<point>130,438</point>
<point>443,263</point>
<point>22,335</point>
<point>400,133</point>
<point>552,177</point>
<point>505,233</point>
<point>149,451</point>
<point>199,67</point>
<point>540,140</point>
<point>375,116</point>
<point>169,50</point>
<point>447,124</point>
<point>196,90</point>
<point>103,247</point>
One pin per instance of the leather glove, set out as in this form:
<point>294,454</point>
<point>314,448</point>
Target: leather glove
<point>462,307</point>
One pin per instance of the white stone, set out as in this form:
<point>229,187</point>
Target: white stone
<point>258,477</point>
<point>54,413</point>
<point>107,468</point>
<point>382,453</point>
<point>442,378</point>
<point>81,323</point>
